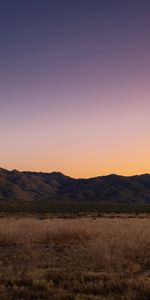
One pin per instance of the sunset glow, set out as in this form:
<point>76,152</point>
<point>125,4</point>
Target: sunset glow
<point>75,87</point>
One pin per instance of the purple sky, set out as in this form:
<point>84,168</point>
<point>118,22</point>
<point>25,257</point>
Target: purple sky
<point>75,86</point>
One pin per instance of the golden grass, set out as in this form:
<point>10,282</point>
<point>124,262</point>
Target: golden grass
<point>103,258</point>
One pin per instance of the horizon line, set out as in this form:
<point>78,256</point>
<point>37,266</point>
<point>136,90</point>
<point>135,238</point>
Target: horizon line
<point>59,172</point>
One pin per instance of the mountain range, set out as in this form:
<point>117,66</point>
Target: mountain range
<point>28,186</point>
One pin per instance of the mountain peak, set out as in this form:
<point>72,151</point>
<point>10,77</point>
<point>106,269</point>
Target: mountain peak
<point>16,185</point>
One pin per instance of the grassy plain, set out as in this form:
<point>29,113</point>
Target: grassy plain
<point>85,258</point>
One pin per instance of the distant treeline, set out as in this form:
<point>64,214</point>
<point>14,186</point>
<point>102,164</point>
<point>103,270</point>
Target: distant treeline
<point>53,207</point>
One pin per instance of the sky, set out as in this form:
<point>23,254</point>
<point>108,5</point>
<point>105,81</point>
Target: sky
<point>75,86</point>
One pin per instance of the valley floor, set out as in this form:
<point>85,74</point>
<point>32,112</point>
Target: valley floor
<point>74,259</point>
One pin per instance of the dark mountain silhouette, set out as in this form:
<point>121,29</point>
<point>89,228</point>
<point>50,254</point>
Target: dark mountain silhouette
<point>15,185</point>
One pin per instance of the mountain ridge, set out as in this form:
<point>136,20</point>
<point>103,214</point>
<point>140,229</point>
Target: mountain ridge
<point>28,186</point>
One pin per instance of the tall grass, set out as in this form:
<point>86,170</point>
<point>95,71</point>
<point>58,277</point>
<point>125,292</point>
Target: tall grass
<point>75,258</point>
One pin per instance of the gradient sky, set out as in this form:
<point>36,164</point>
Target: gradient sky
<point>75,86</point>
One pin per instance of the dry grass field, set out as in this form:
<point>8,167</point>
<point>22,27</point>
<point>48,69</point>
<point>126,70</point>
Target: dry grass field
<point>74,259</point>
